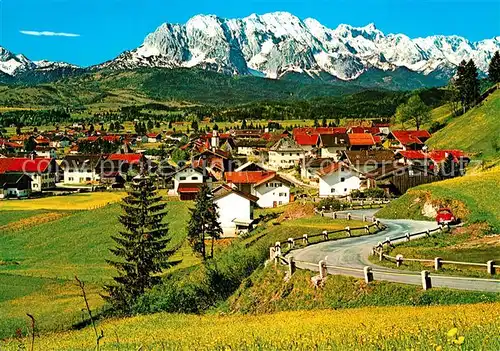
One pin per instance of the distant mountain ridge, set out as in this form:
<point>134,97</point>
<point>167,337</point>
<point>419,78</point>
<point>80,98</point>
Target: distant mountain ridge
<point>279,46</point>
<point>274,44</point>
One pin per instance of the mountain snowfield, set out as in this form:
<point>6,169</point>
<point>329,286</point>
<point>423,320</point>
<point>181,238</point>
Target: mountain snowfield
<point>12,64</point>
<point>273,44</point>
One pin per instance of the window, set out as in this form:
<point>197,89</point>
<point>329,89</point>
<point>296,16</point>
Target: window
<point>298,154</point>
<point>333,190</point>
<point>342,179</point>
<point>280,203</point>
<point>283,154</point>
<point>194,178</point>
<point>88,179</point>
<point>182,178</point>
<point>345,190</point>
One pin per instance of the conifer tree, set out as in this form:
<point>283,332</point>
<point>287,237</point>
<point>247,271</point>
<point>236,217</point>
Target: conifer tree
<point>141,248</point>
<point>473,90</point>
<point>204,222</point>
<point>494,68</point>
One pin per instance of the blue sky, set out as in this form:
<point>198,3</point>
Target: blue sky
<point>99,30</point>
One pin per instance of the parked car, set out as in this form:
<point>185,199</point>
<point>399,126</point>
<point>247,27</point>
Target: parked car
<point>445,216</point>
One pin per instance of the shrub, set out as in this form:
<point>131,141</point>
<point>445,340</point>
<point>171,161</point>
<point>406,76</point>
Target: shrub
<point>374,193</point>
<point>329,203</point>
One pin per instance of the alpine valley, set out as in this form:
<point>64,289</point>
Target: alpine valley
<point>281,46</point>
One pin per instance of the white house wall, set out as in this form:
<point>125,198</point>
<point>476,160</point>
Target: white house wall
<point>275,191</point>
<point>231,207</point>
<point>332,184</point>
<point>189,176</point>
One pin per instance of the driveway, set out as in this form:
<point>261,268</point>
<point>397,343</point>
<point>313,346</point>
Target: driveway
<point>349,257</point>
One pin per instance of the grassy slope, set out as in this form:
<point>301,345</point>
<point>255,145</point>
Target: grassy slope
<point>379,328</point>
<point>40,262</point>
<point>475,198</point>
<point>142,86</point>
<point>465,244</point>
<point>477,131</point>
<point>267,291</point>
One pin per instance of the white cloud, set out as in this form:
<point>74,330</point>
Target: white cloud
<point>48,34</point>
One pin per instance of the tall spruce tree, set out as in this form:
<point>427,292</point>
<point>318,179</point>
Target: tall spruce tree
<point>472,81</point>
<point>140,249</point>
<point>494,68</point>
<point>461,83</point>
<point>204,222</point>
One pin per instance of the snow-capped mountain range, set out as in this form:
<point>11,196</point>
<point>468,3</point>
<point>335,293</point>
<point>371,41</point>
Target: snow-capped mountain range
<point>274,44</point>
<point>12,64</point>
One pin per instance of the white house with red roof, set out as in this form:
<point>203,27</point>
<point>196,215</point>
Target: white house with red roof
<point>307,141</point>
<point>42,171</point>
<point>339,179</point>
<point>270,189</point>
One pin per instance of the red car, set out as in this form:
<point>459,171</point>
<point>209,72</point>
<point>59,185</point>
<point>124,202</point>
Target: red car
<point>445,216</point>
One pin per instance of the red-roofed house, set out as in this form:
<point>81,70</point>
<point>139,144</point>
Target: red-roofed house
<point>42,171</point>
<point>413,157</point>
<point>339,179</point>
<point>307,141</point>
<point>361,141</point>
<point>407,139</point>
<point>154,137</point>
<point>271,189</point>
<point>132,159</point>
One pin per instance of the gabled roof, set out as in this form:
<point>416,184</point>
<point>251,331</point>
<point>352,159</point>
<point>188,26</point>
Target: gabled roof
<point>408,137</point>
<point>24,164</point>
<point>250,166</point>
<point>286,145</point>
<point>332,140</point>
<point>129,158</point>
<point>273,177</point>
<point>319,130</point>
<point>80,161</point>
<point>225,189</point>
<point>307,139</point>
<point>20,180</point>
<point>252,177</point>
<point>335,167</point>
<point>361,139</point>
<point>440,155</point>
<point>413,154</point>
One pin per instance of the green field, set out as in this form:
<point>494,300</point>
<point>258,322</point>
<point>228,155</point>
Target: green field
<point>38,262</point>
<point>475,198</point>
<point>477,131</point>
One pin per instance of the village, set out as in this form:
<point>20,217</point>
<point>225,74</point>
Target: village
<point>245,168</point>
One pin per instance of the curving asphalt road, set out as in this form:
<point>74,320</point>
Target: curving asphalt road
<point>349,257</point>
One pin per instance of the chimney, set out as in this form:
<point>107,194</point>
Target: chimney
<point>215,140</point>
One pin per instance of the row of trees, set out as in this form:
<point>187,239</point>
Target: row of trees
<point>142,249</point>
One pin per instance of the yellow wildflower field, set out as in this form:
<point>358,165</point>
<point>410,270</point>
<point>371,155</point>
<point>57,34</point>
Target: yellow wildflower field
<point>83,201</point>
<point>456,327</point>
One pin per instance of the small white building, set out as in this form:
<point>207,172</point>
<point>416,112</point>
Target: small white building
<point>235,210</point>
<point>339,179</point>
<point>270,189</point>
<point>286,153</point>
<point>332,145</point>
<point>188,180</point>
<point>81,169</point>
